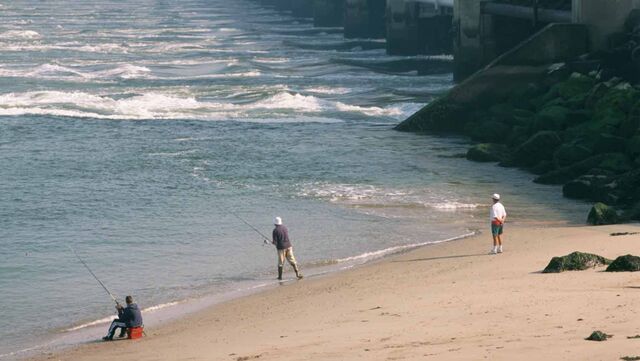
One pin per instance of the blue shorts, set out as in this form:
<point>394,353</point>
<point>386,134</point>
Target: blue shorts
<point>496,229</point>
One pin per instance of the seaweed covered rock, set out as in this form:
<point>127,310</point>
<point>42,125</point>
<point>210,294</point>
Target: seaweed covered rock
<point>487,152</point>
<point>490,131</point>
<point>626,263</point>
<point>602,214</point>
<point>539,147</point>
<point>576,85</point>
<point>552,118</point>
<point>570,153</point>
<point>576,261</point>
<point>628,189</point>
<point>613,162</point>
<point>594,187</point>
<point>598,336</point>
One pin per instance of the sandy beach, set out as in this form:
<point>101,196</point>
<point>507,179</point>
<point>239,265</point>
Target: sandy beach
<point>449,301</point>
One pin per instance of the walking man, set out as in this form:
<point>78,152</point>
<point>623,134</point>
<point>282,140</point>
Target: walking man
<point>498,215</point>
<point>280,238</point>
<point>129,316</point>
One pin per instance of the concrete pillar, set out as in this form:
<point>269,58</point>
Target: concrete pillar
<point>434,29</point>
<point>283,5</point>
<point>364,18</point>
<point>468,54</point>
<point>602,17</point>
<point>402,28</point>
<point>302,8</point>
<point>328,13</point>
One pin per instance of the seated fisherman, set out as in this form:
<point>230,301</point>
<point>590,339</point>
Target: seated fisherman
<point>129,316</point>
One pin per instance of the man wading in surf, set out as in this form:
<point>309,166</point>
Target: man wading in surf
<point>280,238</point>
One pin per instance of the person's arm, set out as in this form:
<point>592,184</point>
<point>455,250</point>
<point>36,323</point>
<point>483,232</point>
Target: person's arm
<point>273,237</point>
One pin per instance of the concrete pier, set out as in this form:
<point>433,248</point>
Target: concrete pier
<point>328,13</point>
<point>602,17</point>
<point>364,19</point>
<point>302,8</point>
<point>468,52</point>
<point>418,27</point>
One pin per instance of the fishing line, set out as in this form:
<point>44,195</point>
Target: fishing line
<point>94,275</point>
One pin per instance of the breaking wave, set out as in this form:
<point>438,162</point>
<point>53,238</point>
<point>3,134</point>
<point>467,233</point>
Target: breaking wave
<point>282,107</point>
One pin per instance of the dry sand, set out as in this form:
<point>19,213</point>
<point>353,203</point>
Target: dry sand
<point>450,301</point>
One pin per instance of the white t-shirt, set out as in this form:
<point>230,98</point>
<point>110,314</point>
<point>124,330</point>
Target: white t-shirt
<point>497,211</point>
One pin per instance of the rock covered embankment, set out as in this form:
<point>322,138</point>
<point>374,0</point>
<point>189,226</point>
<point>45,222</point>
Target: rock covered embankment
<point>578,126</point>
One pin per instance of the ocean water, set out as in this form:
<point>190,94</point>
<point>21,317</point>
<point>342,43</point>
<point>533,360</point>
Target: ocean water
<point>134,132</point>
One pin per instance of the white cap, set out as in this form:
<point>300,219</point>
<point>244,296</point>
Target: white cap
<point>496,196</point>
<point>277,221</point>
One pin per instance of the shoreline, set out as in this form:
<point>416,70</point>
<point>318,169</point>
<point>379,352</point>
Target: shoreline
<point>318,307</point>
<point>163,315</point>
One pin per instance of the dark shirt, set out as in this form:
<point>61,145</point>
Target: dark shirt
<point>281,237</point>
<point>131,315</point>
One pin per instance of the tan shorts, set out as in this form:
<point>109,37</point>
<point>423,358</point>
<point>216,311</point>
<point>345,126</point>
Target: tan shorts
<point>288,254</point>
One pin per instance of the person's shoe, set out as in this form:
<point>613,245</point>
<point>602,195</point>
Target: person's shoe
<point>107,338</point>
<point>298,273</point>
<point>122,335</point>
<point>499,251</point>
<point>493,251</point>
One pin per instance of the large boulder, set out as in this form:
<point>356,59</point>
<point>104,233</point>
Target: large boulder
<point>537,148</point>
<point>630,125</point>
<point>487,152</point>
<point>602,214</point>
<point>626,263</point>
<point>489,131</point>
<point>628,187</point>
<point>576,261</point>
<point>633,146</point>
<point>552,118</point>
<point>593,187</point>
<point>570,153</point>
<point>577,84</point>
<point>613,162</point>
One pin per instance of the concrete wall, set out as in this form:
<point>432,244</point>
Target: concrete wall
<point>302,8</point>
<point>603,17</point>
<point>328,13</point>
<point>364,18</point>
<point>554,43</point>
<point>467,38</point>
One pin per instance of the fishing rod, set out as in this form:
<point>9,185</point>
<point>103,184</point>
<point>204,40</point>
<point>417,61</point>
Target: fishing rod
<point>265,238</point>
<point>94,275</point>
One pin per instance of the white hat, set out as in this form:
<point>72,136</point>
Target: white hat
<point>277,221</point>
<point>496,196</point>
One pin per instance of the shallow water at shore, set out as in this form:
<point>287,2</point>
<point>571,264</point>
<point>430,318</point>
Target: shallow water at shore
<point>130,131</point>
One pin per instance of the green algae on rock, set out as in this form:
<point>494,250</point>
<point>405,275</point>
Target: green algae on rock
<point>576,261</point>
<point>628,263</point>
<point>602,214</point>
<point>598,336</point>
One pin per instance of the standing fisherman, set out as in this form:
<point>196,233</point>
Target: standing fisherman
<point>283,245</point>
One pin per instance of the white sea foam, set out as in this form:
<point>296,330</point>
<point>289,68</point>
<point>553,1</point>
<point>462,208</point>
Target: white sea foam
<point>20,34</point>
<point>383,252</point>
<point>155,105</point>
<point>108,319</point>
<point>349,192</point>
<point>453,206</point>
<point>329,90</point>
